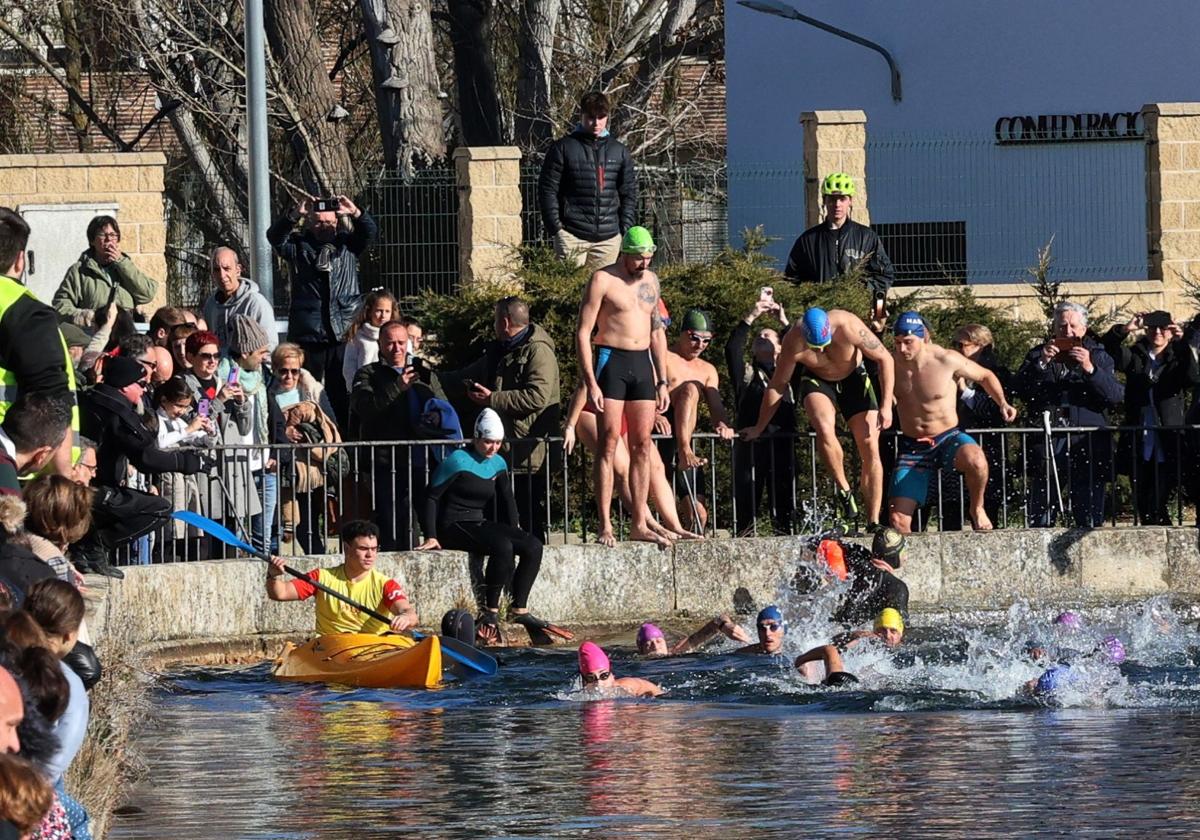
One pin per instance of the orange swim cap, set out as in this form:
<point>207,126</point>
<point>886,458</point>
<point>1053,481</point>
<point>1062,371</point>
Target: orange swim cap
<point>831,552</point>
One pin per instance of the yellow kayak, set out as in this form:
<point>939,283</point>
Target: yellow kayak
<point>364,660</point>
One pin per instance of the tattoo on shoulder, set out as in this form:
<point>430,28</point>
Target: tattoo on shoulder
<point>656,321</point>
<point>869,341</point>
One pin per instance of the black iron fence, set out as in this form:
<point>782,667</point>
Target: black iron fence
<point>296,497</point>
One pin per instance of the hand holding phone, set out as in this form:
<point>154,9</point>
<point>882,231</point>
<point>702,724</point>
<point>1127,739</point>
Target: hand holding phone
<point>203,406</point>
<point>766,294</point>
<point>232,379</point>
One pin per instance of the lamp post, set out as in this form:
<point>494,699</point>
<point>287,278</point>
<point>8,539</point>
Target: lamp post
<point>783,10</point>
<point>261,265</point>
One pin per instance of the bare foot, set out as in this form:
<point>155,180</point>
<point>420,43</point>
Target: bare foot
<point>648,535</point>
<point>660,530</point>
<point>980,521</point>
<point>684,534</point>
<point>606,538</point>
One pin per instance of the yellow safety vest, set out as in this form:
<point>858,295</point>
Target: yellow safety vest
<point>12,291</point>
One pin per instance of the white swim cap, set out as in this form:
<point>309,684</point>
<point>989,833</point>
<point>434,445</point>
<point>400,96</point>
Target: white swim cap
<point>488,425</point>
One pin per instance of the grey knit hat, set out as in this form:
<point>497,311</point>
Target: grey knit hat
<point>245,336</point>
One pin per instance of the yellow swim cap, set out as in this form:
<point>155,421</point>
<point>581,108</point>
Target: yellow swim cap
<point>889,619</point>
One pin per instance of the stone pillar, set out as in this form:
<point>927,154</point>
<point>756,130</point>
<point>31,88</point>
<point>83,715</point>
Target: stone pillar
<point>1173,197</point>
<point>489,212</point>
<point>834,141</point>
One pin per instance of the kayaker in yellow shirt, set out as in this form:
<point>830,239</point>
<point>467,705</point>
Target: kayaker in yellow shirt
<point>357,579</point>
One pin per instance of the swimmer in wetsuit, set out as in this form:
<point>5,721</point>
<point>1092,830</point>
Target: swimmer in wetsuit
<point>872,575</point>
<point>595,671</point>
<point>626,377</point>
<point>889,629</point>
<point>462,487</point>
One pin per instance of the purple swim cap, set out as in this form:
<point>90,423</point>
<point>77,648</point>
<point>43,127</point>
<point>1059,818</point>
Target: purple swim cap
<point>1070,619</point>
<point>647,632</point>
<point>1112,649</point>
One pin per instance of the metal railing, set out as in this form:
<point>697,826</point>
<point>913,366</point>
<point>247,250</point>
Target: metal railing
<point>1075,477</point>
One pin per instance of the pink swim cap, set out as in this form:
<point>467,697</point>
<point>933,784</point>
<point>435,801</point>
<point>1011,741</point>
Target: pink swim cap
<point>647,632</point>
<point>592,658</point>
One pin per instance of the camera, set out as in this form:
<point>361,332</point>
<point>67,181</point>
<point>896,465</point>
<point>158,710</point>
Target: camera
<point>325,205</point>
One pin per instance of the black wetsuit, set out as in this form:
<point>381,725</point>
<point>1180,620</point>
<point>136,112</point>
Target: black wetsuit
<point>871,589</point>
<point>462,488</point>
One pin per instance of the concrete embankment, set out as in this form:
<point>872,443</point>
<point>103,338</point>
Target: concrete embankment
<point>218,601</point>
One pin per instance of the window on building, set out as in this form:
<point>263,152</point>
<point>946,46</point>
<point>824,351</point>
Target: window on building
<point>926,253</point>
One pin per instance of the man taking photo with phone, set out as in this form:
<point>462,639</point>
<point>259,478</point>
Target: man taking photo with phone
<point>1069,380</point>
<point>323,253</point>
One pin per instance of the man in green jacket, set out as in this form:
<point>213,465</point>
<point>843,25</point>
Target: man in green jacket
<point>518,378</point>
<point>103,274</point>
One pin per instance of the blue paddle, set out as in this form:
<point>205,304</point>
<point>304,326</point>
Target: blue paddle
<point>456,650</point>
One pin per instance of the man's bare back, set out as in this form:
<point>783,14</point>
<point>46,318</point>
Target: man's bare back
<point>627,307</point>
<point>838,359</point>
<point>925,391</point>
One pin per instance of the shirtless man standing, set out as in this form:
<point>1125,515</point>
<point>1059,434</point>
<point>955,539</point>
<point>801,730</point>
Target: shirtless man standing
<point>926,396</point>
<point>689,378</point>
<point>628,379</point>
<point>831,347</point>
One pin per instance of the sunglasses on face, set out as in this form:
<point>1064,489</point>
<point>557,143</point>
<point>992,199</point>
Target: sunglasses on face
<point>209,357</point>
<point>769,626</point>
<point>699,339</point>
<point>289,371</point>
<point>592,679</point>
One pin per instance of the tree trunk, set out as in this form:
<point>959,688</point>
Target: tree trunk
<point>320,149</point>
<point>73,69</point>
<point>409,108</point>
<point>535,54</point>
<point>478,104</point>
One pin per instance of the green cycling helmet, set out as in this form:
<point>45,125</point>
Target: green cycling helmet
<point>637,241</point>
<point>837,183</point>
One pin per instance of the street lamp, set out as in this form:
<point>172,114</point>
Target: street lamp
<point>783,10</point>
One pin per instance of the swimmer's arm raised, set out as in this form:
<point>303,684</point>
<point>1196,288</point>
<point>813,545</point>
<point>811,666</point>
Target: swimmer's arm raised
<point>828,654</point>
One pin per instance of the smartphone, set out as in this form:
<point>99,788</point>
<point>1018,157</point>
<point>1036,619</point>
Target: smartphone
<point>766,293</point>
<point>232,379</point>
<point>325,205</point>
<point>469,384</point>
<point>408,353</point>
<point>202,407</point>
<point>1065,344</point>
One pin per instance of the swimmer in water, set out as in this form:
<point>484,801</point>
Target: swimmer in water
<point>1111,650</point>
<point>889,629</point>
<point>652,642</point>
<point>596,672</point>
<point>771,629</point>
<point>829,657</point>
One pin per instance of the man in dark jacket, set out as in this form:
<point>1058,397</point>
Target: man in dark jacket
<point>517,377</point>
<point>107,416</point>
<point>1069,381</point>
<point>1160,368</point>
<point>323,259</point>
<point>828,250</point>
<point>386,402</point>
<point>587,190</point>
<point>767,463</point>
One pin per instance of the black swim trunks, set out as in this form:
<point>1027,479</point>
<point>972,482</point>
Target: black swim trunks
<point>626,375</point>
<point>852,395</point>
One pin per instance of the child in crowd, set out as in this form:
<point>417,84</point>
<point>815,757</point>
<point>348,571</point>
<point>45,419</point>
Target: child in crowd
<point>174,401</point>
<point>362,340</point>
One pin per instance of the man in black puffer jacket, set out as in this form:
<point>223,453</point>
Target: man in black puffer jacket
<point>588,189</point>
<point>322,256</point>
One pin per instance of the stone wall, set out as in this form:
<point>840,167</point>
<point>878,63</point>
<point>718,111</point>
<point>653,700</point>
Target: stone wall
<point>133,181</point>
<point>489,212</point>
<point>217,600</point>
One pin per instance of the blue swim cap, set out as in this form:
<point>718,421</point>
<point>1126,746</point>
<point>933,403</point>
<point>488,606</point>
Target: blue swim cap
<point>771,613</point>
<point>816,327</point>
<point>909,323</point>
<point>1057,677</point>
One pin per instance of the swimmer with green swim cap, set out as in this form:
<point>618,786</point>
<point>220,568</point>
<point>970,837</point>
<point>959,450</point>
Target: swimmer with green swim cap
<point>622,347</point>
<point>638,241</point>
<point>693,380</point>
